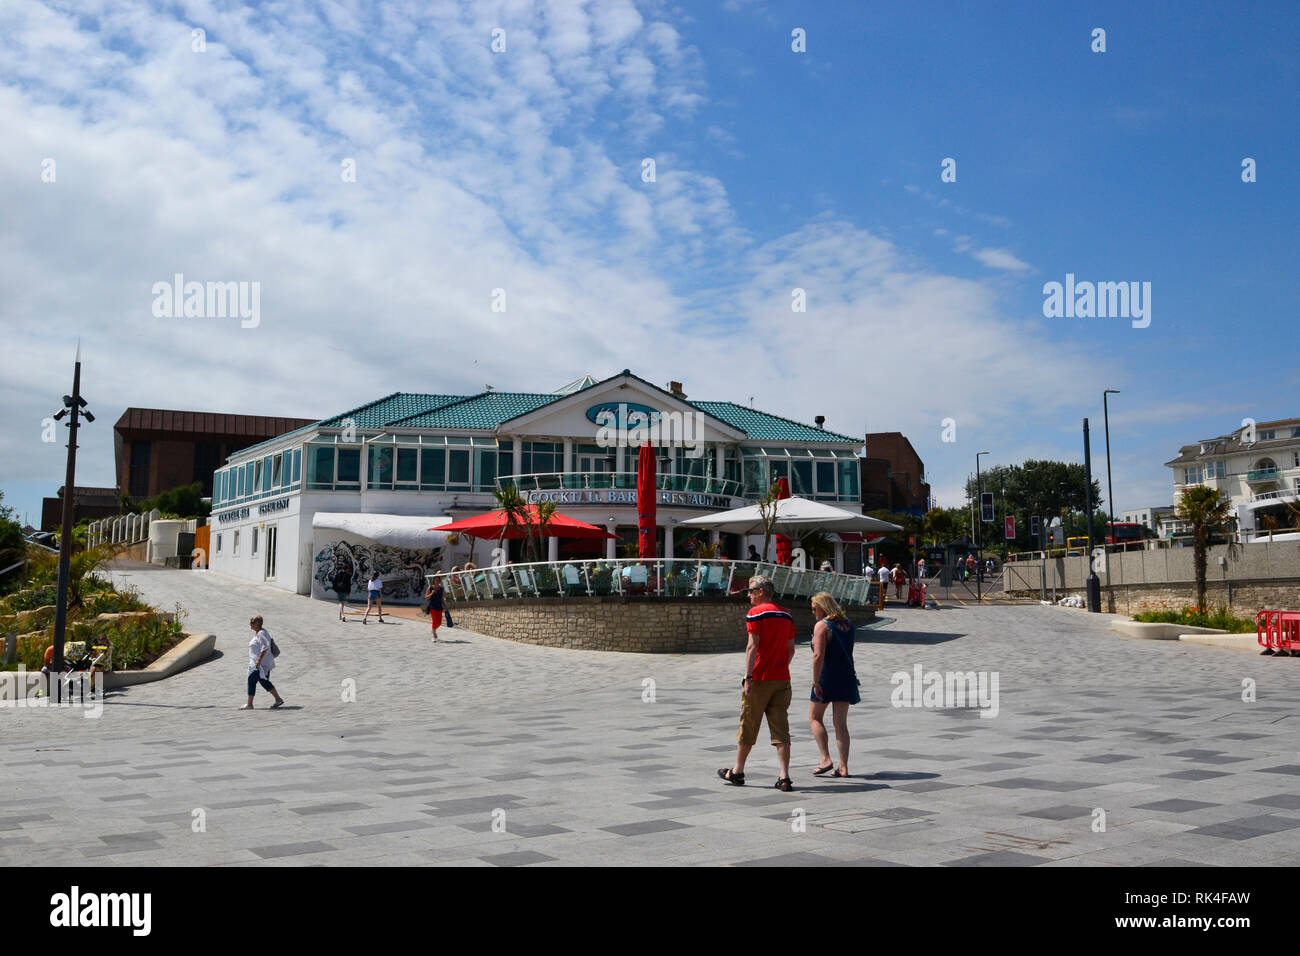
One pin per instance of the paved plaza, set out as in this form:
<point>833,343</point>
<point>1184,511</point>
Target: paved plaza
<point>487,752</point>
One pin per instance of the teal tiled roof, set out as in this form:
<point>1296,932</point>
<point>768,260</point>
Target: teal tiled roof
<point>485,411</point>
<point>761,426</point>
<point>391,408</point>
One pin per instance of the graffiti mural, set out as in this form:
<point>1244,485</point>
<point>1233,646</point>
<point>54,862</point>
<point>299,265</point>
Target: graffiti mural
<point>402,569</point>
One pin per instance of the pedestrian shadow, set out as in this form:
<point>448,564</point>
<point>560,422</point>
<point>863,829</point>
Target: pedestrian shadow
<point>887,636</point>
<point>849,786</point>
<point>897,775</point>
<point>456,640</point>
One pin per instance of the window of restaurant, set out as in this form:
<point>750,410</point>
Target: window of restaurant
<point>349,465</point>
<point>433,469</point>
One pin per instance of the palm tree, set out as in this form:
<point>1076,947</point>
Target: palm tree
<point>513,508</point>
<point>545,511</point>
<point>1206,511</point>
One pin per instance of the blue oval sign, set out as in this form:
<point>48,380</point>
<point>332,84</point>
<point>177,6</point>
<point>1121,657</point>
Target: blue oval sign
<point>616,414</point>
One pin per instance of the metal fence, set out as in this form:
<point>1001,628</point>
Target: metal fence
<point>670,578</point>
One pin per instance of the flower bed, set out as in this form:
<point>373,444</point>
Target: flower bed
<point>1219,618</point>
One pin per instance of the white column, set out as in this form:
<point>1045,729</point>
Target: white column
<point>668,540</point>
<point>620,458</point>
<point>718,471</point>
<point>518,456</point>
<point>839,556</point>
<point>611,543</point>
<point>552,549</point>
<point>568,455</point>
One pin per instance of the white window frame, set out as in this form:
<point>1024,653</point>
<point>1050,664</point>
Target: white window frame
<point>252,552</point>
<point>218,551</point>
<point>234,546</point>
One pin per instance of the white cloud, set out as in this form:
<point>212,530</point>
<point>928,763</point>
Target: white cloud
<point>1001,259</point>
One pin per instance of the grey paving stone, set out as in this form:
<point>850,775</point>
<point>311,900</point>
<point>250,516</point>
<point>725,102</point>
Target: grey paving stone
<point>1247,828</point>
<point>518,858</point>
<point>645,826</point>
<point>291,849</point>
<point>1110,758</point>
<point>790,859</point>
<point>330,808</point>
<point>1195,775</point>
<point>396,826</point>
<point>1290,768</point>
<point>1176,805</point>
<point>1065,812</point>
<point>1287,801</point>
<point>999,858</point>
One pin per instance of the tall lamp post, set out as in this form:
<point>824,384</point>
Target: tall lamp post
<point>979,533</point>
<point>72,404</point>
<point>1093,582</point>
<point>1110,491</point>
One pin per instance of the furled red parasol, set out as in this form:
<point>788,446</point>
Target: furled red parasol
<point>646,504</point>
<point>493,524</point>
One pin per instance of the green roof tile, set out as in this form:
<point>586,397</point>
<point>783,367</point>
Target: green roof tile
<point>485,411</point>
<point>762,426</point>
<point>391,408</point>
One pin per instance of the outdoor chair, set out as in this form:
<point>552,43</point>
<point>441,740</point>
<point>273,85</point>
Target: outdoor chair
<point>526,586</point>
<point>711,581</point>
<point>636,578</point>
<point>572,581</point>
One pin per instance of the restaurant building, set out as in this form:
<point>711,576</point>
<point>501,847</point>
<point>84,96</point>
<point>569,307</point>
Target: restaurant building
<point>362,488</point>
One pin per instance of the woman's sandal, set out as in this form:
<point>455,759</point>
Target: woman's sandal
<point>838,774</point>
<point>784,784</point>
<point>734,778</point>
<point>821,770</point>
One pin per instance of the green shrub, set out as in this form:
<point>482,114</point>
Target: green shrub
<point>1220,618</point>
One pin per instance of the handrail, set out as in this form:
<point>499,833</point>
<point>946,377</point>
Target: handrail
<point>662,577</point>
<point>601,480</point>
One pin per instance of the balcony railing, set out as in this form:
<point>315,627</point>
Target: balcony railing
<point>1262,474</point>
<point>597,480</point>
<point>669,578</point>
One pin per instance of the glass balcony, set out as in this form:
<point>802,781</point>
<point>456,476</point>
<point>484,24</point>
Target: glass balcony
<point>1262,474</point>
<point>626,480</point>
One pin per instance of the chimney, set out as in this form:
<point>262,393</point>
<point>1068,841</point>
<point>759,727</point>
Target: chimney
<point>821,421</point>
<point>676,389</point>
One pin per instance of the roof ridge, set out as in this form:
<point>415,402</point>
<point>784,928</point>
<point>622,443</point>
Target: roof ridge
<point>790,421</point>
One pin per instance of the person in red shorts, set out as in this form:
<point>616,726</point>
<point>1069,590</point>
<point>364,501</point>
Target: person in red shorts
<point>434,597</point>
<point>766,687</point>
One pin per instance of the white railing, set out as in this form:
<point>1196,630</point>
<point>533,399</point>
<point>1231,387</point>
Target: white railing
<point>127,529</point>
<point>671,578</point>
<point>626,480</point>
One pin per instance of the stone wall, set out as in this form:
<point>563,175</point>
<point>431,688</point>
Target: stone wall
<point>639,625</point>
<point>1248,597</point>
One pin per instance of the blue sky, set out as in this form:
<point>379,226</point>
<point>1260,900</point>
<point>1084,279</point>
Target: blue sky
<point>521,170</point>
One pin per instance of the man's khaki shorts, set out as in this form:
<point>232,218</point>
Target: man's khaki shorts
<point>770,698</point>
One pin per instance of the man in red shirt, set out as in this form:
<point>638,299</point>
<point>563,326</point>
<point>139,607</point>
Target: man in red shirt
<point>766,687</point>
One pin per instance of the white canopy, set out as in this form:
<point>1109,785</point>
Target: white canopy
<point>400,531</point>
<point>795,517</point>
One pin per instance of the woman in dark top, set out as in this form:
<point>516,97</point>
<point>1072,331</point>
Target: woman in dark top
<point>834,681</point>
<point>342,585</point>
<point>434,596</point>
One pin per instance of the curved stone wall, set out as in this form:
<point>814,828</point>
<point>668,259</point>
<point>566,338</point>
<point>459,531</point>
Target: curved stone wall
<point>639,625</point>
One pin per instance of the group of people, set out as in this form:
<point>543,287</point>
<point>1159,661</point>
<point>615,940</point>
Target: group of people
<point>341,584</point>
<point>765,688</point>
<point>885,574</point>
<point>970,567</point>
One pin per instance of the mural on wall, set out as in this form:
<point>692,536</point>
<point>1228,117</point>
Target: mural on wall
<point>402,569</point>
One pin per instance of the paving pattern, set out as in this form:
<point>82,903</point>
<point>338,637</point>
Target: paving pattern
<point>487,752</point>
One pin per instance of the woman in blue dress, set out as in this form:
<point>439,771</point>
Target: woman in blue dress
<point>835,682</point>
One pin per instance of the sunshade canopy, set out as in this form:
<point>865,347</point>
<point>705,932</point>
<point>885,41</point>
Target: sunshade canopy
<point>494,525</point>
<point>796,517</point>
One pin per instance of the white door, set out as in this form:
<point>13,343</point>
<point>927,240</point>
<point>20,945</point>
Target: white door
<point>270,553</point>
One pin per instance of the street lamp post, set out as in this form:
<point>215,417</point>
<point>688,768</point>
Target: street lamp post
<point>1094,582</point>
<point>1110,491</point>
<point>72,406</point>
<point>979,533</point>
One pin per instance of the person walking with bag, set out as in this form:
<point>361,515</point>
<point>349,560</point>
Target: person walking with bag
<point>433,606</point>
<point>342,585</point>
<point>261,658</point>
<point>835,682</point>
<point>375,596</point>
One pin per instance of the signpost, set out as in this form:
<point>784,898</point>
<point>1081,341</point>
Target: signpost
<point>1010,527</point>
<point>986,506</point>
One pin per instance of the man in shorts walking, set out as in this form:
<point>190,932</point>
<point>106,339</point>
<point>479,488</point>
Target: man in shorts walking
<point>766,687</point>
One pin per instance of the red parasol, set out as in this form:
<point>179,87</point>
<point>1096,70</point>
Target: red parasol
<point>494,523</point>
<point>646,504</point>
<point>784,546</point>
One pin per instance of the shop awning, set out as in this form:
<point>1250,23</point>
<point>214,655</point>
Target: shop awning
<point>401,531</point>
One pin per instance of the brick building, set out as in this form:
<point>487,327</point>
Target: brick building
<point>156,450</point>
<point>893,475</point>
<point>92,503</point>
